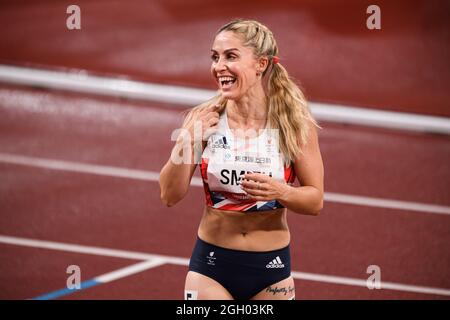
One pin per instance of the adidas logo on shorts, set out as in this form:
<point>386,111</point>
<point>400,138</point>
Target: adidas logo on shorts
<point>275,263</point>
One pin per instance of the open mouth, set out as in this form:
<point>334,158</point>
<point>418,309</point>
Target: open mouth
<point>227,82</point>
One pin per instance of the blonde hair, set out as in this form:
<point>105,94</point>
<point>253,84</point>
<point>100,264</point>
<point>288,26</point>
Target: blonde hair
<point>287,107</point>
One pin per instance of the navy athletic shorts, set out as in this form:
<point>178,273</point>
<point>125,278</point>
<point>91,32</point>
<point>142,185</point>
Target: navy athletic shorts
<point>243,273</point>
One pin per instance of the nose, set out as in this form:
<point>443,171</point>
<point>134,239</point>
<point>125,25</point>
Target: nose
<point>220,65</point>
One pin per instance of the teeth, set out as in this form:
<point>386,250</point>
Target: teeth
<point>226,79</point>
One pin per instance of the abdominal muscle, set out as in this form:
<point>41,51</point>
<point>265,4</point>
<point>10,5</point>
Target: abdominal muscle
<point>251,231</point>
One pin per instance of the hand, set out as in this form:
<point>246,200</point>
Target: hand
<point>207,119</point>
<point>261,187</point>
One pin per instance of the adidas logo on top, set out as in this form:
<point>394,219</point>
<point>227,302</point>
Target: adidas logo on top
<point>275,263</point>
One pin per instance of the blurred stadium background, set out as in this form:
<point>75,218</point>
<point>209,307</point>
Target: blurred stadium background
<point>85,123</point>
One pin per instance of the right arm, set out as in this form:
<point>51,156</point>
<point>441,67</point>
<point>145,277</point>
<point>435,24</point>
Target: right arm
<point>174,179</point>
<point>176,175</point>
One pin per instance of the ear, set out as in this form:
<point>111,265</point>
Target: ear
<point>262,64</point>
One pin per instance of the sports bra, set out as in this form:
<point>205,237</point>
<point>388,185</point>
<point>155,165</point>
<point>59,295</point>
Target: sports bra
<point>227,158</point>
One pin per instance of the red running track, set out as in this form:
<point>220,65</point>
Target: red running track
<point>123,213</point>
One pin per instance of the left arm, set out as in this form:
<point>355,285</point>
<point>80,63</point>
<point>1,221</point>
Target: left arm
<point>306,199</point>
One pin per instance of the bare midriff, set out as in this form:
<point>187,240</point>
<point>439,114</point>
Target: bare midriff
<point>247,231</point>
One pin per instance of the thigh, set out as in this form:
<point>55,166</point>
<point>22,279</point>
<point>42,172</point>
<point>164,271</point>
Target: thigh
<point>201,287</point>
<point>282,290</point>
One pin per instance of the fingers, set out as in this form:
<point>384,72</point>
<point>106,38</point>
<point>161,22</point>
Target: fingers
<point>214,111</point>
<point>254,191</point>
<point>257,195</point>
<point>257,177</point>
<point>209,109</point>
<point>212,122</point>
<point>210,127</point>
<point>254,185</point>
<point>204,111</point>
<point>257,186</point>
<point>212,114</point>
<point>209,116</point>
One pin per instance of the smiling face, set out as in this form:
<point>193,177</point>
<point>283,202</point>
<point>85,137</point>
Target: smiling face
<point>234,67</point>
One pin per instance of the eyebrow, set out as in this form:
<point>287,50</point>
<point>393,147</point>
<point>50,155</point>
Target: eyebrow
<point>228,50</point>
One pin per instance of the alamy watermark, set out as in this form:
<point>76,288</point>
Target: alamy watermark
<point>73,22</point>
<point>374,280</point>
<point>374,20</point>
<point>74,280</point>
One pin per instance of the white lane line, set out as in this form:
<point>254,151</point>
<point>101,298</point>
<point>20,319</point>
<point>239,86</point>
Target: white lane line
<point>363,283</point>
<point>130,270</point>
<point>79,167</point>
<point>185,262</point>
<point>105,278</point>
<point>50,245</point>
<point>385,203</point>
<point>197,182</point>
<point>81,81</point>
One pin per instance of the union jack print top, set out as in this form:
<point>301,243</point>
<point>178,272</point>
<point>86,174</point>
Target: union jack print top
<point>227,157</point>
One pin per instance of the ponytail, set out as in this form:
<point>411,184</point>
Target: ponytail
<point>288,112</point>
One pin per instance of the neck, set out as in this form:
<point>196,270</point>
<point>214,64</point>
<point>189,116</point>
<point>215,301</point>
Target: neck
<point>252,106</point>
